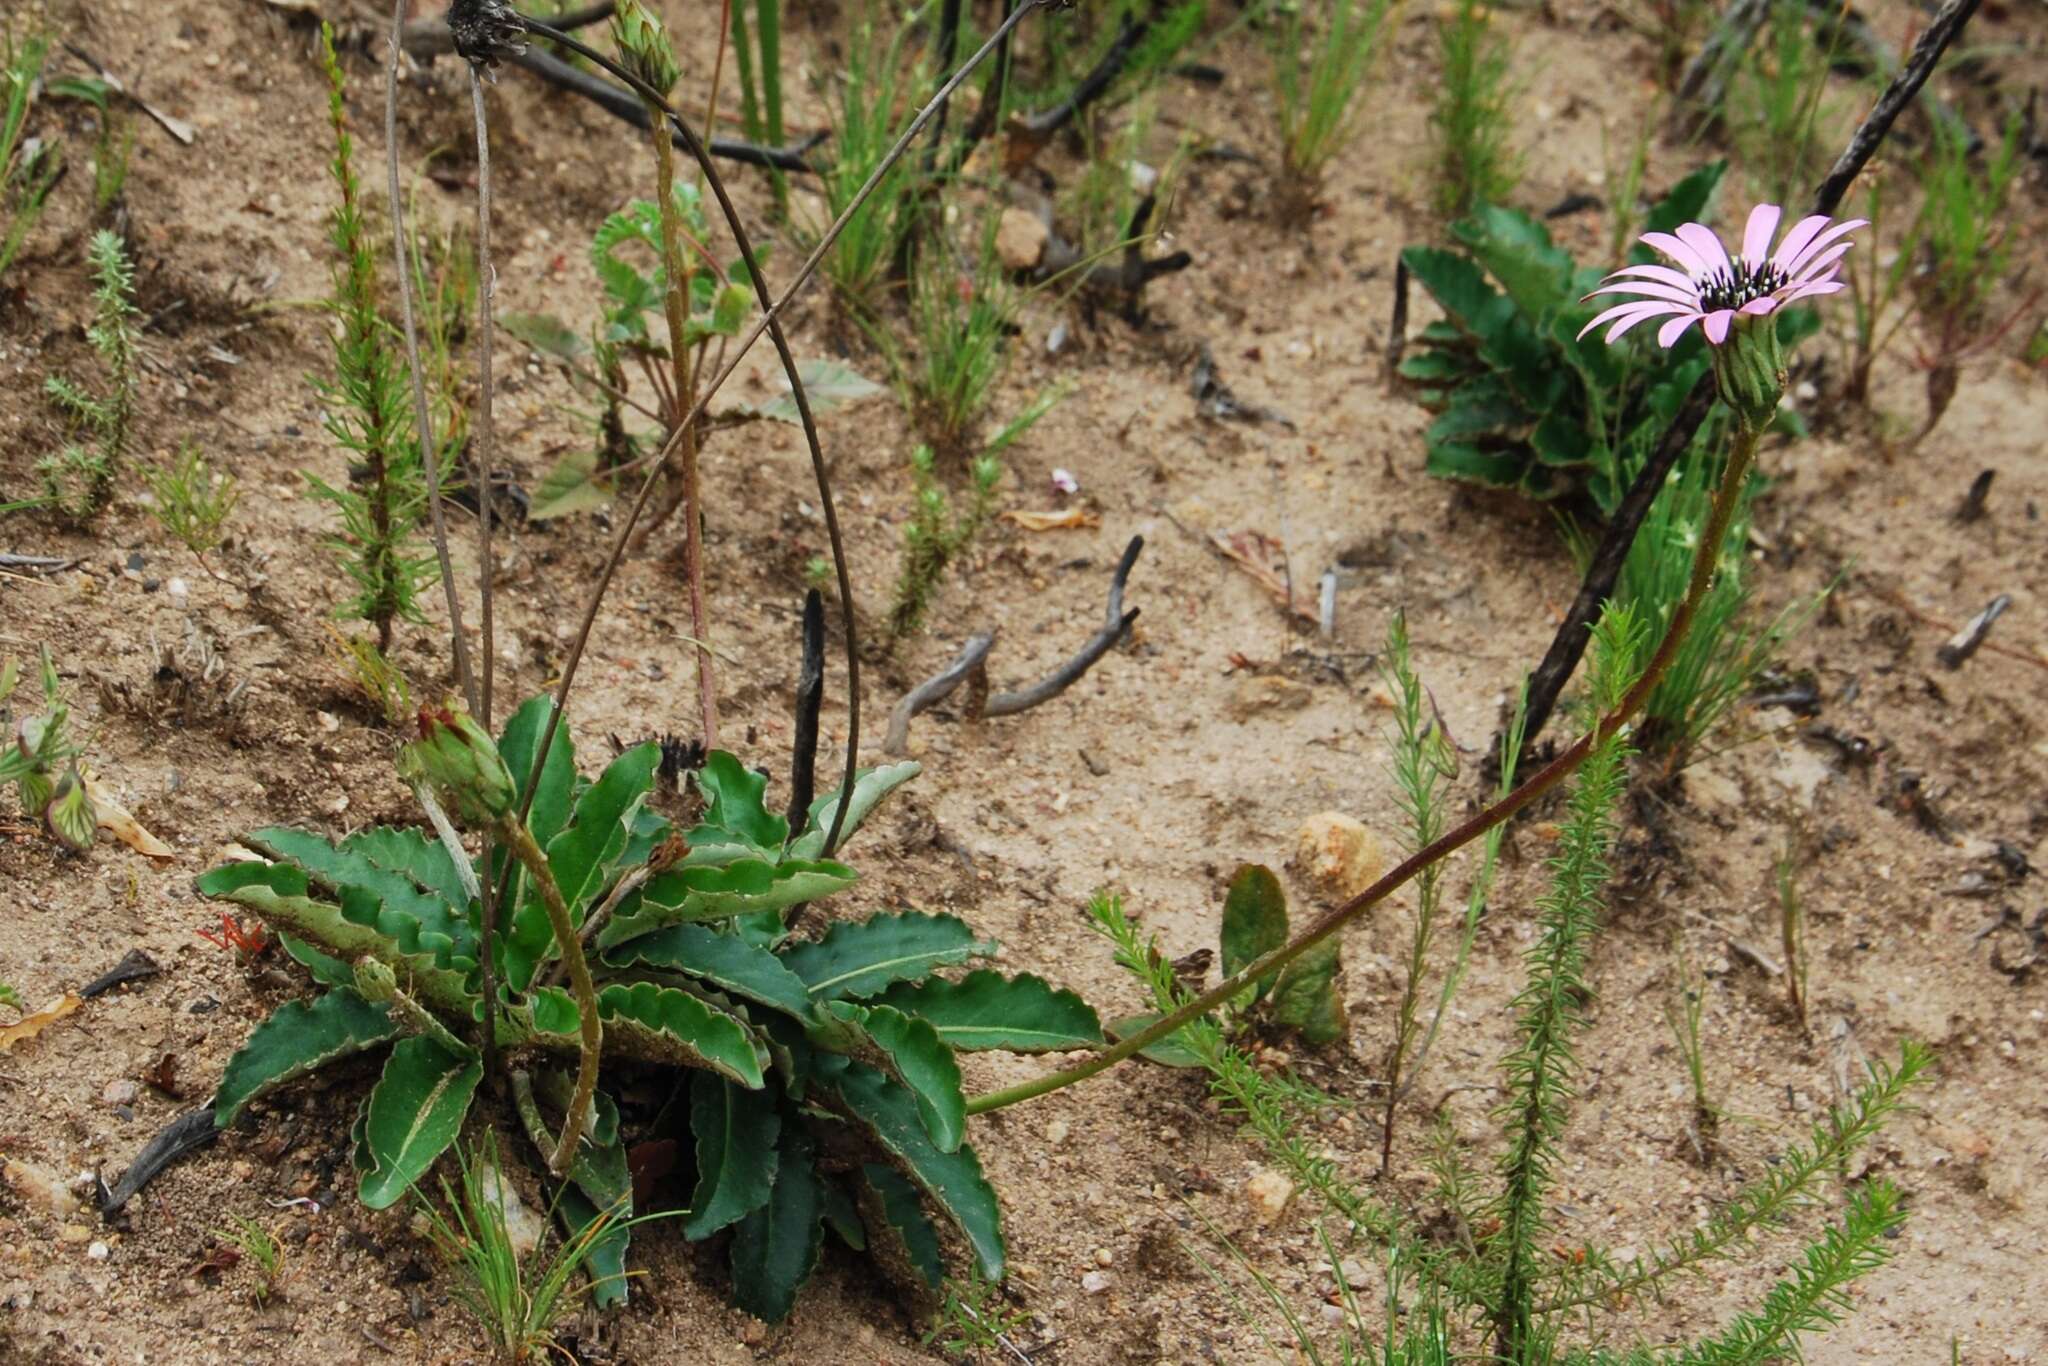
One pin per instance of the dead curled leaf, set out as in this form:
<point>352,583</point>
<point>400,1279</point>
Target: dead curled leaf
<point>1066,519</point>
<point>1265,559</point>
<point>114,817</point>
<point>31,1025</point>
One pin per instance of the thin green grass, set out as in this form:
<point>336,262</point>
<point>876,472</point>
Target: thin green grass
<point>1475,161</point>
<point>27,171</point>
<point>1322,53</point>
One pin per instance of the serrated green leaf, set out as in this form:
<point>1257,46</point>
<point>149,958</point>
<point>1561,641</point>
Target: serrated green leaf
<point>1559,441</point>
<point>724,960</point>
<point>299,1038</point>
<point>547,334</point>
<point>745,886</point>
<point>1518,353</point>
<point>657,1024</point>
<point>553,1010</point>
<point>828,385</point>
<point>414,854</point>
<point>870,785</point>
<point>919,1059</point>
<point>1457,460</point>
<point>733,802</point>
<point>842,1216</point>
<point>1468,417</point>
<point>419,921</point>
<point>1168,1052</point>
<point>1307,997</point>
<point>985,1010</point>
<point>902,1213</point>
<point>327,970</point>
<point>862,957</point>
<point>1516,250</point>
<point>776,1247</point>
<point>1254,921</point>
<point>1433,364</point>
<point>1460,288</point>
<point>953,1180</point>
<point>414,1113</point>
<point>736,1132</point>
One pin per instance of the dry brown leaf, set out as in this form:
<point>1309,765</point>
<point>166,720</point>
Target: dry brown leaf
<point>31,1025</point>
<point>1069,519</point>
<point>114,817</point>
<point>1265,559</point>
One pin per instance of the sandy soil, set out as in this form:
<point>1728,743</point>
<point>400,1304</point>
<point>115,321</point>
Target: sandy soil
<point>1172,762</point>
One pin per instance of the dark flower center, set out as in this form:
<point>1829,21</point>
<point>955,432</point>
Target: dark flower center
<point>1738,285</point>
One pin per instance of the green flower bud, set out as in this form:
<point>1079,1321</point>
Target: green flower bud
<point>644,47</point>
<point>455,759</point>
<point>375,981</point>
<point>1750,369</point>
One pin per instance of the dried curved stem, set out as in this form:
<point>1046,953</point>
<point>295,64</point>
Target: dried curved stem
<point>590,1050</point>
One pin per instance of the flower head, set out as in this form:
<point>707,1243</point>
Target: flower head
<point>455,758</point>
<point>643,45</point>
<point>1714,289</point>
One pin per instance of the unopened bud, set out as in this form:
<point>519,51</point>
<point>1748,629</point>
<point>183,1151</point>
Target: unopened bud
<point>456,760</point>
<point>375,981</point>
<point>643,46</point>
<point>1749,369</point>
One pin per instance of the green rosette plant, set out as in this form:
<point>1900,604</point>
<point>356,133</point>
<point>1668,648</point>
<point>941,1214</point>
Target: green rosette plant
<point>823,1084</point>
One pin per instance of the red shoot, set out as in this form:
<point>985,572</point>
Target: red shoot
<point>250,941</point>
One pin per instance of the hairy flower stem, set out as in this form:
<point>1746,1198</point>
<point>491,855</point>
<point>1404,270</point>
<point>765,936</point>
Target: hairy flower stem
<point>1741,454</point>
<point>676,303</point>
<point>486,446</point>
<point>520,841</point>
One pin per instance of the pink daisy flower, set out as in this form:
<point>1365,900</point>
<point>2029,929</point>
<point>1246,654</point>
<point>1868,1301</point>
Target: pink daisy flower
<point>1713,289</point>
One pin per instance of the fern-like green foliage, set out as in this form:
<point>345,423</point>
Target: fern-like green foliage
<point>788,1045</point>
<point>1522,401</point>
<point>1475,163</point>
<point>369,410</point>
<point>78,478</point>
<point>935,533</point>
<point>1491,1288</point>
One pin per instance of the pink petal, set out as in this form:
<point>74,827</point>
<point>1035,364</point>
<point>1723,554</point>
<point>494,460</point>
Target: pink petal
<point>1796,240</point>
<point>1717,323</point>
<point>1820,241</point>
<point>1756,237</point>
<point>1688,259</point>
<point>1702,240</point>
<point>1669,333</point>
<point>1820,265</point>
<point>1644,315</point>
<point>1808,291</point>
<point>1650,291</point>
<point>1646,308</point>
<point>1661,274</point>
<point>1756,308</point>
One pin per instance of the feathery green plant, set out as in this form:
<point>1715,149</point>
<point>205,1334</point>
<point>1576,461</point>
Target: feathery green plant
<point>191,501</point>
<point>1322,52</point>
<point>368,411</point>
<point>1469,127</point>
<point>935,534</point>
<point>28,171</point>
<point>972,1319</point>
<point>78,479</point>
<point>1424,764</point>
<point>1496,1281</point>
<point>879,76</point>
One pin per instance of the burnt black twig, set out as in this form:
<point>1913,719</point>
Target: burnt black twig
<point>1125,278</point>
<point>133,967</point>
<point>1966,642</point>
<point>973,655</point>
<point>1569,644</point>
<point>1090,87</point>
<point>1972,506</point>
<point>1397,325</point>
<point>969,666</point>
<point>992,99</point>
<point>187,1133</point>
<point>810,700</point>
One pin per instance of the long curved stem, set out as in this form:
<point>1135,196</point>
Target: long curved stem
<point>1705,556</point>
<point>520,841</point>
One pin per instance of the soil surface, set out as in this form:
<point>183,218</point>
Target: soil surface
<point>1203,742</point>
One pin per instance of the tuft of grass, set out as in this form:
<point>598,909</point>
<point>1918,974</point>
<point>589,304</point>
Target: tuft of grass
<point>1322,52</point>
<point>1683,1011</point>
<point>1469,128</point>
<point>28,170</point>
<point>260,1248</point>
<point>973,1321</point>
<point>382,683</point>
<point>962,316</point>
<point>518,1305</point>
<point>1966,242</point>
<point>878,80</point>
<point>78,479</point>
<point>368,412</point>
<point>1776,104</point>
<point>191,501</point>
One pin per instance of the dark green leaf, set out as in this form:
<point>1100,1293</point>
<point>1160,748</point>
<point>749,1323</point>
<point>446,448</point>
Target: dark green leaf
<point>1460,287</point>
<point>415,854</point>
<point>1517,251</point>
<point>1456,460</point>
<point>1308,997</point>
<point>1433,364</point>
<point>1686,203</point>
<point>414,1113</point>
<point>578,857</point>
<point>441,929</point>
<point>660,1024</point>
<point>920,1060</point>
<point>297,1039</point>
<point>1254,921</point>
<point>842,1216</point>
<point>573,485</point>
<point>985,1010</point>
<point>862,957</point>
<point>607,1261</point>
<point>1168,1052</point>
<point>903,1215</point>
<point>745,886</point>
<point>519,744</point>
<point>736,1131</point>
<point>327,970</point>
<point>776,1247</point>
<point>724,960</point>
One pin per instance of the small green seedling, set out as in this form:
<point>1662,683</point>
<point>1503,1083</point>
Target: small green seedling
<point>41,760</point>
<point>191,501</point>
<point>260,1248</point>
<point>78,479</point>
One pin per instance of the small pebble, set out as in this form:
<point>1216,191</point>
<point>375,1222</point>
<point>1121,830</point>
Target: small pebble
<point>99,1252</point>
<point>1103,1257</point>
<point>1094,1283</point>
<point>1269,1193</point>
<point>119,1092</point>
<point>1056,1132</point>
<point>178,591</point>
<point>74,1234</point>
